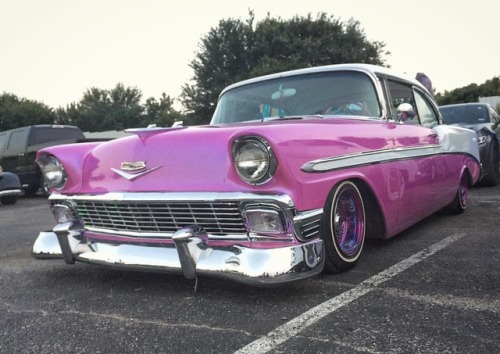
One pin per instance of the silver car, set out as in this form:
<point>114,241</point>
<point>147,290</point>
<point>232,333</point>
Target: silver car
<point>484,120</point>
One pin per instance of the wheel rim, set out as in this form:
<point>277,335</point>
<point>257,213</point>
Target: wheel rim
<point>463,191</point>
<point>349,222</point>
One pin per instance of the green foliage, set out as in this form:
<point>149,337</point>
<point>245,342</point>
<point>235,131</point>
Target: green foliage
<point>160,113</point>
<point>15,112</point>
<point>118,109</point>
<point>98,110</point>
<point>307,42</point>
<point>470,93</point>
<point>237,50</point>
<point>223,58</point>
<point>101,110</point>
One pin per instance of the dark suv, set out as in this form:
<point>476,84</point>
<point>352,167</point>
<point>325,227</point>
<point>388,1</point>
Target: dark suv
<point>18,148</point>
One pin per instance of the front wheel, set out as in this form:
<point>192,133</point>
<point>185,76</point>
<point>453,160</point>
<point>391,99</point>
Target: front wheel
<point>343,227</point>
<point>9,199</point>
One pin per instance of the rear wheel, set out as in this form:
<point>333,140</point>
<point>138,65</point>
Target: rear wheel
<point>459,204</point>
<point>343,227</point>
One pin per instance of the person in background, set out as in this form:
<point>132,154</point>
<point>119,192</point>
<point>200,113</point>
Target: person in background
<point>424,80</point>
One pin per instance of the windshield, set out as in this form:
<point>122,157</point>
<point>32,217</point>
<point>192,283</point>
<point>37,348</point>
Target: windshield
<point>326,93</point>
<point>469,114</point>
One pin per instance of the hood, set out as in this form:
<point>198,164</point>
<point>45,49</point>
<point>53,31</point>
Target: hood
<point>200,158</point>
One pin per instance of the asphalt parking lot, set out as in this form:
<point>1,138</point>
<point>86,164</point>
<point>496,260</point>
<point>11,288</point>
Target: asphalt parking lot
<point>435,288</point>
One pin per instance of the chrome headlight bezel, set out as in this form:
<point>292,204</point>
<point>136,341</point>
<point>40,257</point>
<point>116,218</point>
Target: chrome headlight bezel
<point>254,160</point>
<point>53,171</point>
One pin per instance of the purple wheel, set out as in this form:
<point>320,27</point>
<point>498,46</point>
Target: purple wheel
<point>343,228</point>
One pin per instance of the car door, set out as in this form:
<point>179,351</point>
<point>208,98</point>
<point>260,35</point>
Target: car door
<point>14,154</point>
<point>420,173</point>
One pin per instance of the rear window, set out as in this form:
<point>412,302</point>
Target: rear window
<point>46,135</point>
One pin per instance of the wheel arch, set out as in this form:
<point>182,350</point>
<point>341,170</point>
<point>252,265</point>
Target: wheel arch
<point>375,222</point>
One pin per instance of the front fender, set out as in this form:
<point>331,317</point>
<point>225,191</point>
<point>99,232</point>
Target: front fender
<point>9,180</point>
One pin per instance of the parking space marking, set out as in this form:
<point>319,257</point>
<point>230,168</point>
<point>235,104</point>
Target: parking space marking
<point>310,317</point>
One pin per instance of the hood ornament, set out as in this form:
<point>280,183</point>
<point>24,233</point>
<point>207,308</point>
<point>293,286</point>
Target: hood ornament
<point>133,166</point>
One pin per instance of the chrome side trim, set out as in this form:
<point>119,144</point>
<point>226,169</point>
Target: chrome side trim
<point>370,158</point>
<point>10,192</point>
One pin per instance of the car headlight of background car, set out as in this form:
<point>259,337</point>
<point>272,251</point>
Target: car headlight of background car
<point>254,160</point>
<point>482,136</point>
<point>53,171</point>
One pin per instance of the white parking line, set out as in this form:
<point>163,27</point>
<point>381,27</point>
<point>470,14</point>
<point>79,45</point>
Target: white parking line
<point>310,317</point>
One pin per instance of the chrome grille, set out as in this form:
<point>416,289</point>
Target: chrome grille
<point>217,218</point>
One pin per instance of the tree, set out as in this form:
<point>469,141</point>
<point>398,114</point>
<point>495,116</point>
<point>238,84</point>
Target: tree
<point>224,57</point>
<point>470,93</point>
<point>160,113</point>
<point>101,110</point>
<point>15,112</point>
<point>235,50</point>
<point>307,42</point>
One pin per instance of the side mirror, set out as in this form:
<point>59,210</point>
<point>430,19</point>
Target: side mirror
<point>405,112</point>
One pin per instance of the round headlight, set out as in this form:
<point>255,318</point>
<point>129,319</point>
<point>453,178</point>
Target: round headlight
<point>254,160</point>
<point>52,171</point>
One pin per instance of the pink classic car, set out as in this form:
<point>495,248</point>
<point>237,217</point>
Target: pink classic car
<point>294,171</point>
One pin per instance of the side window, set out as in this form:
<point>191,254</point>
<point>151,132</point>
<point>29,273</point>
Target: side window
<point>428,117</point>
<point>399,93</point>
<point>47,135</point>
<point>17,140</point>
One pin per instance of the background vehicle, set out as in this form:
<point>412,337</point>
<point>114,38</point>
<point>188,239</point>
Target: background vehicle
<point>19,146</point>
<point>484,120</point>
<point>10,188</point>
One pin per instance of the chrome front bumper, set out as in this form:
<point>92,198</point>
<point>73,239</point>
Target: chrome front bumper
<point>190,255</point>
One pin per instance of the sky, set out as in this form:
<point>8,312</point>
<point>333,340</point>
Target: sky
<point>52,51</point>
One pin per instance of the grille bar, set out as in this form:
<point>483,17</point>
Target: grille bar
<point>310,228</point>
<point>217,218</point>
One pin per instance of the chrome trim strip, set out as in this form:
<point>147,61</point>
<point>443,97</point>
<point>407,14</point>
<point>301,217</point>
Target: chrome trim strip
<point>10,192</point>
<point>160,235</point>
<point>307,214</point>
<point>177,197</point>
<point>370,158</point>
<point>133,236</point>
